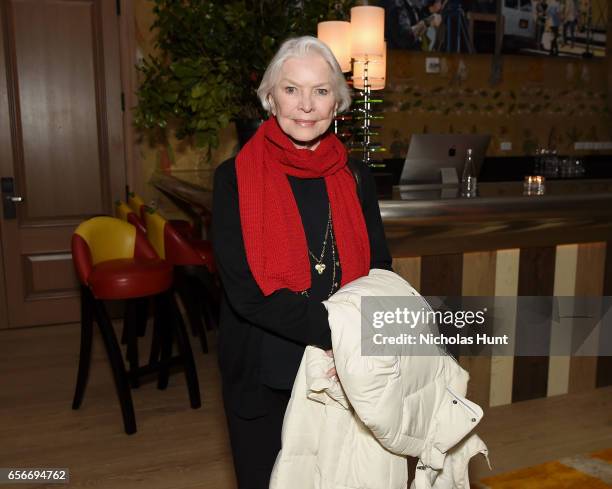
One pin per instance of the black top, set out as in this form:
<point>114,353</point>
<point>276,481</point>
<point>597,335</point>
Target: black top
<point>262,339</point>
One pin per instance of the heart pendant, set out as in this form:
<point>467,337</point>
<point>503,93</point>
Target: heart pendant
<point>320,267</point>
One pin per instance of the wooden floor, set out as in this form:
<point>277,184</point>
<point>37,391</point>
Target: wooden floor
<point>177,447</point>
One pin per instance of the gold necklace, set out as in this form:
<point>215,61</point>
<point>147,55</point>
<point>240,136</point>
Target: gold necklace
<point>319,265</point>
<point>335,265</point>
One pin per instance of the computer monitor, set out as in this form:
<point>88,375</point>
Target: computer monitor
<point>430,155</point>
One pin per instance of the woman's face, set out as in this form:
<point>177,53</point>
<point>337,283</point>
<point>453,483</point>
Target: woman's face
<point>303,101</point>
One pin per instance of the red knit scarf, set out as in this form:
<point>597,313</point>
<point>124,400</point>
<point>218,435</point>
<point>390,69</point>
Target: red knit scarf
<point>274,238</point>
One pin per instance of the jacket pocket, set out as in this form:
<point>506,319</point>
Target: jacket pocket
<point>456,417</point>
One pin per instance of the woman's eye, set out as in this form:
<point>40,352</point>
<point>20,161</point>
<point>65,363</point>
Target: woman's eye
<point>290,90</point>
<point>322,91</point>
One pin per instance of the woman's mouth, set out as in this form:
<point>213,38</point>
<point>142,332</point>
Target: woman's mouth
<point>304,123</point>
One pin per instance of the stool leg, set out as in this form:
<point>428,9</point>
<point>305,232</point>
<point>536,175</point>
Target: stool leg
<point>142,313</point>
<point>157,336</point>
<point>210,310</point>
<point>188,292</point>
<point>114,357</point>
<point>165,338</point>
<point>124,334</point>
<point>85,350</point>
<point>181,286</point>
<point>210,297</point>
<point>130,326</point>
<point>191,375</point>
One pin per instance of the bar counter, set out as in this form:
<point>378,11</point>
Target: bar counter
<point>429,220</point>
<point>498,244</point>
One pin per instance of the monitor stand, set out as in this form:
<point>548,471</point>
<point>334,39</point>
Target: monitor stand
<point>448,188</point>
<point>449,177</point>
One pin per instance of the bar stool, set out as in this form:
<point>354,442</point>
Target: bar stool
<point>194,272</point>
<point>126,213</point>
<point>203,248</point>
<point>137,204</point>
<point>136,309</point>
<point>114,261</point>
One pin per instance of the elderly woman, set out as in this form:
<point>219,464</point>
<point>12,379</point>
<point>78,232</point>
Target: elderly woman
<point>290,227</point>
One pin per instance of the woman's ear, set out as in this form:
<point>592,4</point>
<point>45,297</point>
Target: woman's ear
<point>272,106</point>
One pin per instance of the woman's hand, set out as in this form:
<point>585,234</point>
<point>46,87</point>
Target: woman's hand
<point>331,373</point>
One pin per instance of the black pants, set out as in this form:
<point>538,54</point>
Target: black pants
<point>256,442</point>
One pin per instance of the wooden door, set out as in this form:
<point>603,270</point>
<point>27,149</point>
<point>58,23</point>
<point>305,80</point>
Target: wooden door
<point>61,145</point>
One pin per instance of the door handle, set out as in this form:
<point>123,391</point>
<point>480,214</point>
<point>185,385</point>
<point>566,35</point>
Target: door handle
<point>9,199</point>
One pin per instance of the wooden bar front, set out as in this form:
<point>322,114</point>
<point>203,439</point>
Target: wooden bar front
<point>498,244</point>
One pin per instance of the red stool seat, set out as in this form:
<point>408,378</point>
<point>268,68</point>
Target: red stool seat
<point>128,278</point>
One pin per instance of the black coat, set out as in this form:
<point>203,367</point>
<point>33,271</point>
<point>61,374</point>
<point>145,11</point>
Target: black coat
<point>262,339</point>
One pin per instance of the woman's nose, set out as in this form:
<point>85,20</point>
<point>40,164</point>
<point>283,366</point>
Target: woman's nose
<point>305,103</point>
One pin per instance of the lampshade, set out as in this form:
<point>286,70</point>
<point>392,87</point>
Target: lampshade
<point>337,35</point>
<point>367,31</point>
<point>377,72</point>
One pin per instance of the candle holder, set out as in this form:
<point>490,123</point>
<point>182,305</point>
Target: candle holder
<point>359,46</point>
<point>534,185</point>
<point>364,115</point>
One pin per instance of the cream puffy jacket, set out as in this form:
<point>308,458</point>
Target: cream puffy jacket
<point>355,433</point>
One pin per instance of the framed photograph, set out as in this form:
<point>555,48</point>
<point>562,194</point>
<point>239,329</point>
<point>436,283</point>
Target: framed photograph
<point>569,28</point>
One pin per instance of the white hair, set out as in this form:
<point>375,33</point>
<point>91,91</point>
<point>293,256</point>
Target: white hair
<point>296,48</point>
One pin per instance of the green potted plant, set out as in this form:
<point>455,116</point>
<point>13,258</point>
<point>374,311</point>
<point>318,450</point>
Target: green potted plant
<point>212,55</point>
